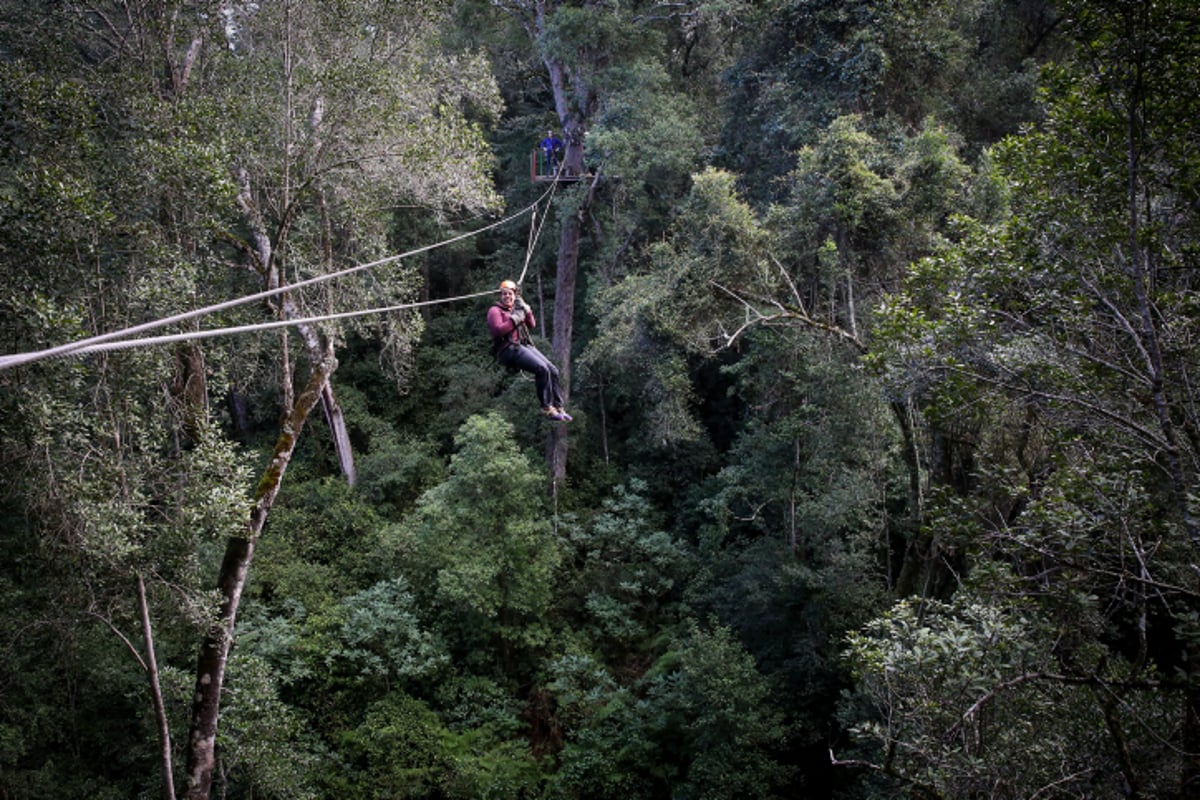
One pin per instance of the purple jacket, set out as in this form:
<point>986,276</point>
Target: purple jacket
<point>500,324</point>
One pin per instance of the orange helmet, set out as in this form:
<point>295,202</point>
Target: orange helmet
<point>508,285</point>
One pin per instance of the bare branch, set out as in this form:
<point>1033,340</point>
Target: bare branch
<point>791,284</point>
<point>1053,677</point>
<point>1125,325</point>
<point>753,317</point>
<point>834,761</point>
<point>189,61</point>
<point>790,313</point>
<point>1060,781</point>
<point>1145,434</point>
<point>124,639</point>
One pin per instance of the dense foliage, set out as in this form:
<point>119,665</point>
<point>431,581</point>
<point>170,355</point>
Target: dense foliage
<point>882,480</point>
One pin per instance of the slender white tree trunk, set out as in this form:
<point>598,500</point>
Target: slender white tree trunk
<point>156,697</point>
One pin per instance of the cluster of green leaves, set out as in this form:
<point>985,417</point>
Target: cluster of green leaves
<point>1047,340</point>
<point>494,650</point>
<point>968,700</point>
<point>129,132</point>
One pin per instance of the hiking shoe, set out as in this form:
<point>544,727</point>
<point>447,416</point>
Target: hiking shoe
<point>563,415</point>
<point>555,414</point>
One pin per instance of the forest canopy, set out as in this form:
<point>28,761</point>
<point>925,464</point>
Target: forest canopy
<point>875,321</point>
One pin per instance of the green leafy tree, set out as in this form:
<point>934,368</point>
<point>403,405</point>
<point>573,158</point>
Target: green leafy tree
<point>695,725</point>
<point>482,549</point>
<point>1051,341</point>
<point>397,751</point>
<point>733,738</point>
<point>970,699</point>
<point>625,575</point>
<point>112,467</point>
<point>323,115</point>
<point>970,63</point>
<point>301,193</point>
<point>267,748</point>
<point>654,319</point>
<point>793,531</point>
<point>402,749</point>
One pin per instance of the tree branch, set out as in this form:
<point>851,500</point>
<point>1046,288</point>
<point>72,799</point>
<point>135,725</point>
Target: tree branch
<point>1053,677</point>
<point>1145,434</point>
<point>124,639</point>
<point>794,313</point>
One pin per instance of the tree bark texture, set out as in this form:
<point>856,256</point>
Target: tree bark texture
<point>564,323</point>
<point>575,103</point>
<point>341,435</point>
<point>239,552</point>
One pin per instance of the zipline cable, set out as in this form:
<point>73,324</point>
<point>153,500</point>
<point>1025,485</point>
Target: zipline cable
<point>535,232</point>
<point>126,344</point>
<point>93,343</point>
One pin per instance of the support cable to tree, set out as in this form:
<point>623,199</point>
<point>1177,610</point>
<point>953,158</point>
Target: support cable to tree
<point>109,341</point>
<point>262,326</point>
<point>535,232</point>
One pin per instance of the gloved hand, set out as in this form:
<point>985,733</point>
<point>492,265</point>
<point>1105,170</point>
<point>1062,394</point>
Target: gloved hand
<point>521,304</point>
<point>517,315</point>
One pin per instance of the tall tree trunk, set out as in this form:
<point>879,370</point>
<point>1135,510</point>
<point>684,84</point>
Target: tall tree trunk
<point>564,323</point>
<point>190,388</point>
<point>160,711</point>
<point>239,552</point>
<point>1116,732</point>
<point>567,264</point>
<point>1147,342</point>
<point>574,101</point>
<point>912,559</point>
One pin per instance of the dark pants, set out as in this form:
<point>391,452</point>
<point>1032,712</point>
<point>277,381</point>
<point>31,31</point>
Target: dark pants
<point>545,375</point>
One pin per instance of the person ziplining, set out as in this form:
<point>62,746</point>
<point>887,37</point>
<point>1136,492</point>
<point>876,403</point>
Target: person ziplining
<point>124,338</point>
<point>509,321</point>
